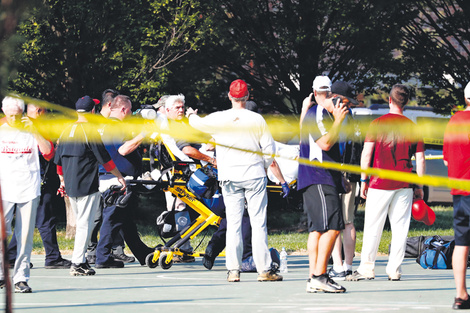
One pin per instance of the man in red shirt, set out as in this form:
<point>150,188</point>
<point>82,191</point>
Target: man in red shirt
<point>389,145</point>
<point>456,151</point>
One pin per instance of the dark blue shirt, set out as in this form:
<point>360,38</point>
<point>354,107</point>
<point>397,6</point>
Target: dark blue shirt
<point>317,123</point>
<point>113,139</point>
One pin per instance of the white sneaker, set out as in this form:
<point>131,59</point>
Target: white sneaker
<point>324,283</point>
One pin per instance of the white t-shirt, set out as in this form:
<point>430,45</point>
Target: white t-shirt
<point>244,144</point>
<point>20,177</point>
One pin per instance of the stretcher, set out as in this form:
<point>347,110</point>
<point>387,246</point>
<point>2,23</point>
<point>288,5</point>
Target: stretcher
<point>174,176</point>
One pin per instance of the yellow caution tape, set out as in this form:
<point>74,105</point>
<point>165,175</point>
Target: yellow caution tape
<point>282,129</point>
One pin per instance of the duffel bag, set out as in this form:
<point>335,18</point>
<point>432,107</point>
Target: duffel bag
<point>437,253</point>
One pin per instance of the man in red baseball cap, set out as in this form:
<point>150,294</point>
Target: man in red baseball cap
<point>243,155</point>
<point>238,89</point>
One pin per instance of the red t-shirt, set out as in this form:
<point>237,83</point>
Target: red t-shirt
<point>457,148</point>
<point>393,148</point>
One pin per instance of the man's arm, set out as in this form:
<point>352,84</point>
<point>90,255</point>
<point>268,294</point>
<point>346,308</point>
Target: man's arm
<point>420,170</point>
<point>267,145</point>
<point>118,174</point>
<point>306,104</point>
<point>327,141</point>
<point>131,145</point>
<point>45,146</point>
<point>196,154</point>
<point>366,158</point>
<point>278,174</point>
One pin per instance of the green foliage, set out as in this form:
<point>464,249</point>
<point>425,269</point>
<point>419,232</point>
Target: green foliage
<point>146,48</point>
<point>436,43</point>
<point>278,47</point>
<point>84,47</point>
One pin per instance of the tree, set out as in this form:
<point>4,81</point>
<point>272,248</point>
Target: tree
<point>436,49</point>
<point>83,47</point>
<point>12,12</point>
<point>278,47</point>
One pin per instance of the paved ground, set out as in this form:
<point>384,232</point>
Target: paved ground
<point>184,288</point>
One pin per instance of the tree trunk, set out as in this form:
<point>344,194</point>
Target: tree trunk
<point>71,220</point>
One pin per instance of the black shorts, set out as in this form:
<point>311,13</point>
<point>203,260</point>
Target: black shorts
<point>323,207</point>
<point>462,220</point>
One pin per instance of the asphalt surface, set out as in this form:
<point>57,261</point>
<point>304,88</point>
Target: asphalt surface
<point>192,288</point>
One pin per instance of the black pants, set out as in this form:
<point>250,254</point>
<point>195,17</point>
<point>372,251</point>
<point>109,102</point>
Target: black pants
<point>217,241</point>
<point>116,219</point>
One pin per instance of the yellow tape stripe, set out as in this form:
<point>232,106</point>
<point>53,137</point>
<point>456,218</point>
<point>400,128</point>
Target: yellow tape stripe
<point>281,128</point>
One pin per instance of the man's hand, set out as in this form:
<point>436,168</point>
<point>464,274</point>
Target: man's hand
<point>418,193</point>
<point>190,111</point>
<point>340,111</point>
<point>122,181</point>
<point>347,185</point>
<point>28,124</point>
<point>307,103</point>
<point>364,189</point>
<point>285,190</point>
<point>61,191</point>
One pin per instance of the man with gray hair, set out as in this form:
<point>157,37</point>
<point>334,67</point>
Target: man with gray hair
<point>177,122</point>
<point>20,181</point>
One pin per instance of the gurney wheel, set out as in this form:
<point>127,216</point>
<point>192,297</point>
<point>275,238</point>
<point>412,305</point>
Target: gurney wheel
<point>149,261</point>
<point>163,263</point>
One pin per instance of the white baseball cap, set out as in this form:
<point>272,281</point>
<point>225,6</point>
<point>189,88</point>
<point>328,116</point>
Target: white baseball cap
<point>467,91</point>
<point>322,83</point>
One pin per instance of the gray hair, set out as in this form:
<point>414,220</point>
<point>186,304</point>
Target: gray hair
<point>171,100</point>
<point>12,103</point>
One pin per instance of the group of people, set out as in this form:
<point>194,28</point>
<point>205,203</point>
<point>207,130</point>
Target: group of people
<point>387,145</point>
<point>91,161</point>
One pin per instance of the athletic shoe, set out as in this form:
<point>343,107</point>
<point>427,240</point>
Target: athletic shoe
<point>82,269</point>
<point>112,263</point>
<point>122,257</point>
<point>2,283</point>
<point>61,263</point>
<point>348,272</point>
<point>233,276</point>
<point>324,283</point>
<point>91,259</point>
<point>22,287</point>
<point>270,275</point>
<point>460,304</point>
<point>336,275</point>
<point>395,278</point>
<point>356,276</point>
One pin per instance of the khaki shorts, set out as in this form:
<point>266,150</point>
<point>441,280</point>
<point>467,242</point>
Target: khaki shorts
<point>348,204</point>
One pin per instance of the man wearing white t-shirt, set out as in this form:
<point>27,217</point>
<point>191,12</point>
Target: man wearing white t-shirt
<point>244,148</point>
<point>20,182</point>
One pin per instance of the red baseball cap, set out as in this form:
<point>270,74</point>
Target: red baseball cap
<point>238,89</point>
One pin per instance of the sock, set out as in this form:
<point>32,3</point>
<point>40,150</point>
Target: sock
<point>338,268</point>
<point>347,267</point>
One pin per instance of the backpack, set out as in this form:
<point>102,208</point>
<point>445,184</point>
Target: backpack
<point>437,253</point>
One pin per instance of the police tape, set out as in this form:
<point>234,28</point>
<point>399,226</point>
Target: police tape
<point>281,128</point>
